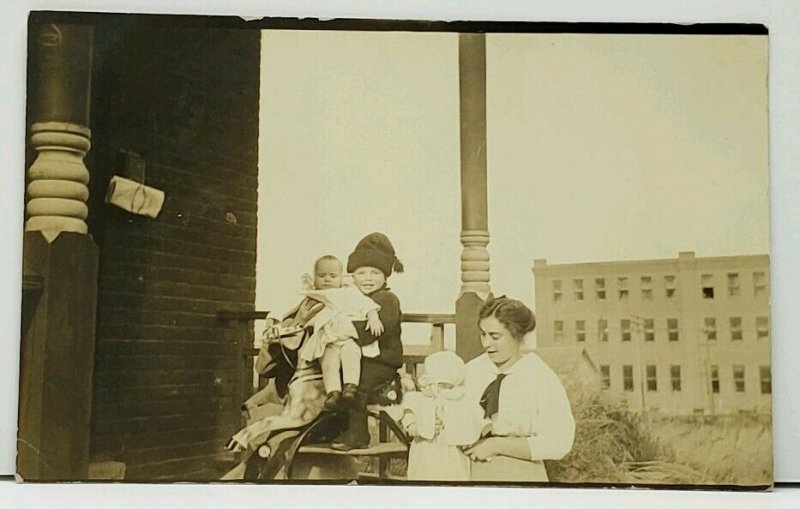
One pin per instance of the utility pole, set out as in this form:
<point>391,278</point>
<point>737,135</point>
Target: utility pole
<point>707,370</point>
<point>638,323</point>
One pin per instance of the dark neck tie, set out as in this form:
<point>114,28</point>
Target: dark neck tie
<point>490,400</point>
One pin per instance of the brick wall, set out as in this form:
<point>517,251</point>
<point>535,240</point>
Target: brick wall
<point>185,99</point>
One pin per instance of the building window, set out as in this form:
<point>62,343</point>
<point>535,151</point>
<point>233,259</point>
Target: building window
<point>738,378</point>
<point>600,288</point>
<point>675,378</point>
<point>759,284</point>
<point>602,330</point>
<point>627,378</point>
<point>556,290</point>
<point>625,326</point>
<point>733,284</point>
<point>558,326</point>
<point>605,374</point>
<point>622,288</point>
<point>669,286</point>
<point>710,329</point>
<point>647,288</point>
<point>577,287</point>
<point>672,329</point>
<point>736,328</point>
<point>649,329</point>
<point>762,327</point>
<point>708,286</point>
<point>580,330</point>
<point>652,381</point>
<point>766,379</point>
<point>715,379</point>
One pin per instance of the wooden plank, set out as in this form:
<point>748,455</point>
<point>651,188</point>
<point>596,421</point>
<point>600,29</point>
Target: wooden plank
<point>392,448</point>
<point>129,408</point>
<point>159,376</point>
<point>429,318</point>
<point>114,444</point>
<point>172,451</point>
<point>163,362</point>
<point>242,315</point>
<point>208,346</point>
<point>171,469</point>
<point>164,423</point>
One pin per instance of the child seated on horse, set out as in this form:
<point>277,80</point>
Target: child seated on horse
<point>333,341</point>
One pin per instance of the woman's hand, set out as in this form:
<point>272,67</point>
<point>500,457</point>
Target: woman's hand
<point>482,450</point>
<point>308,309</point>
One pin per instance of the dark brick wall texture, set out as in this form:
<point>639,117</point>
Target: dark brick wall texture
<point>185,99</point>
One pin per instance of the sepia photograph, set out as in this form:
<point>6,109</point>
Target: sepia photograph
<point>396,252</point>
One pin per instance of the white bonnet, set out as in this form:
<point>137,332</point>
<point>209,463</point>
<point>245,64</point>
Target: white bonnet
<point>443,367</point>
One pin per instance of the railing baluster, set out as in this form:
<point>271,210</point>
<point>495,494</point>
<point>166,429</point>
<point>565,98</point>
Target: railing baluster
<point>437,337</point>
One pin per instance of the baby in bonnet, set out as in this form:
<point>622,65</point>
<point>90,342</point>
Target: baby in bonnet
<point>441,421</point>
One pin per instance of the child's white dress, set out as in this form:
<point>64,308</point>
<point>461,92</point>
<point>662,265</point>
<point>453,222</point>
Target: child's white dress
<point>437,456</point>
<point>334,323</point>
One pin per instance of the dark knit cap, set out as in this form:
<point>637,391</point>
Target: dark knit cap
<point>375,250</point>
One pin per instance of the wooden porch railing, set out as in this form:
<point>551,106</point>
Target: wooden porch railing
<point>414,355</point>
<point>241,323</point>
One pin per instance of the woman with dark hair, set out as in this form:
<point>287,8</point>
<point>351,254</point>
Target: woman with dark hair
<point>526,402</point>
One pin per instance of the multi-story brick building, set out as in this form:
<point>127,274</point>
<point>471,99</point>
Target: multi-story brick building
<point>681,335</point>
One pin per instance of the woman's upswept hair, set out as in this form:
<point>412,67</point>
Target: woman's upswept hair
<point>513,314</point>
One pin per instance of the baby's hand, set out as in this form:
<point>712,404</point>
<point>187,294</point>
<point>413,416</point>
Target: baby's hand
<point>411,429</point>
<point>374,324</point>
<point>271,332</point>
<point>438,425</point>
<point>245,409</point>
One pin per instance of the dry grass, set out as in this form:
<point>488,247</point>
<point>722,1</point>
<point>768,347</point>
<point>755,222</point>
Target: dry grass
<point>612,444</point>
<point>728,450</point>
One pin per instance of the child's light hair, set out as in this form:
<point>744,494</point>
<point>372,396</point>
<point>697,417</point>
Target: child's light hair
<point>328,258</point>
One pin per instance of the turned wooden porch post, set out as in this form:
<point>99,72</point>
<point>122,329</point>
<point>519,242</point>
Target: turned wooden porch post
<point>475,287</point>
<point>59,262</point>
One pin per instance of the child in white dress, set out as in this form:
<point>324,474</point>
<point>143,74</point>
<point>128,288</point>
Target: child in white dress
<point>333,340</point>
<point>441,420</point>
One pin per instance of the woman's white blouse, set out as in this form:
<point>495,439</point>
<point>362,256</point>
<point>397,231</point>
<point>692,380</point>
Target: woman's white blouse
<point>533,404</point>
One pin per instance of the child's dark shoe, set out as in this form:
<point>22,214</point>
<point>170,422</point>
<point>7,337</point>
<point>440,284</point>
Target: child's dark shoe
<point>334,401</point>
<point>349,394</point>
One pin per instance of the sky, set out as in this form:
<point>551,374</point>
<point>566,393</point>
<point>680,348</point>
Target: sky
<point>780,16</point>
<point>599,148</point>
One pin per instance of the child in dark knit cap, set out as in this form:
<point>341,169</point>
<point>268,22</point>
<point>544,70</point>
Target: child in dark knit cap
<point>371,264</point>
